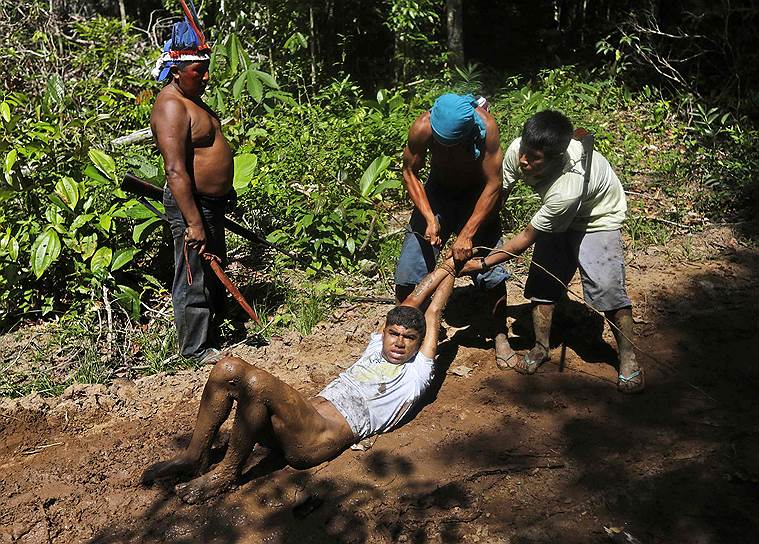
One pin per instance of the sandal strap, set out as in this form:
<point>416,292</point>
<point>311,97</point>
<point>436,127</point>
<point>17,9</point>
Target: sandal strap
<point>629,378</point>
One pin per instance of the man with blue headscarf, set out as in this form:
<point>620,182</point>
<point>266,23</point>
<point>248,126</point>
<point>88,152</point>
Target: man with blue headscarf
<point>199,170</point>
<point>462,196</point>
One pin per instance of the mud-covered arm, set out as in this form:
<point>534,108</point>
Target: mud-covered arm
<point>419,140</point>
<point>170,123</point>
<point>492,164</point>
<point>433,315</point>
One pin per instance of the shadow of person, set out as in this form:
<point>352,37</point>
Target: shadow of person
<point>581,329</point>
<point>470,312</point>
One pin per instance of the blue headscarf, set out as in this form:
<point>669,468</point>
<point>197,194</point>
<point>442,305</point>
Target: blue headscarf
<point>184,46</point>
<point>454,121</point>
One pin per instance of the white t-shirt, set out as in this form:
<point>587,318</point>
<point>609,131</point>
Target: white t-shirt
<point>568,204</point>
<point>374,395</point>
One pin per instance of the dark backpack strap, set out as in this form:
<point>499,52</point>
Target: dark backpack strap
<point>587,139</point>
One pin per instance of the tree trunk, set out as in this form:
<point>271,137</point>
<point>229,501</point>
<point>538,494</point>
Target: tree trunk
<point>454,12</point>
<point>122,12</point>
<point>312,42</point>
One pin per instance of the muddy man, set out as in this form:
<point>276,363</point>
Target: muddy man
<point>371,397</point>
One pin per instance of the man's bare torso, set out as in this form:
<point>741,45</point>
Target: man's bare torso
<point>454,167</point>
<point>209,158</point>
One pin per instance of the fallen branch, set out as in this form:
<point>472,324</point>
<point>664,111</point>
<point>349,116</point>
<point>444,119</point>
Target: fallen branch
<point>516,467</point>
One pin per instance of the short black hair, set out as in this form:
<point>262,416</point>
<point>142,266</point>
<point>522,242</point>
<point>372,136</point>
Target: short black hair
<point>409,317</point>
<point>548,131</point>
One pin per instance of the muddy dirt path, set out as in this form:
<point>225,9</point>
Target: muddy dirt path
<point>494,456</point>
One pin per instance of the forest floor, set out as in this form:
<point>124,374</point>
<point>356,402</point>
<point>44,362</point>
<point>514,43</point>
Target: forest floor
<point>492,457</point>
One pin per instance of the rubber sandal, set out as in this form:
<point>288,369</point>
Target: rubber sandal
<point>503,362</point>
<point>531,361</point>
<point>638,384</point>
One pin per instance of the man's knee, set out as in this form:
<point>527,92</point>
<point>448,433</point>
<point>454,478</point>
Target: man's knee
<point>230,370</point>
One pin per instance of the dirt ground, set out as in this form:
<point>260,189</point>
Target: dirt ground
<point>493,457</point>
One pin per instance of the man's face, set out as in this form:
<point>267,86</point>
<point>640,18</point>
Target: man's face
<point>399,344</point>
<point>192,79</point>
<point>532,163</point>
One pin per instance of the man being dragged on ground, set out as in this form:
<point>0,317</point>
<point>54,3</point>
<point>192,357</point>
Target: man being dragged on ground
<point>370,397</point>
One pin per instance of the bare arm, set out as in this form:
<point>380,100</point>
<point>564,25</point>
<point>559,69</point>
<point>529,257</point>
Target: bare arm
<point>433,314</point>
<point>170,123</point>
<point>491,193</point>
<point>419,139</point>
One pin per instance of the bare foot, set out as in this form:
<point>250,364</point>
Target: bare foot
<point>504,355</point>
<point>631,378</point>
<point>206,486</point>
<point>178,466</point>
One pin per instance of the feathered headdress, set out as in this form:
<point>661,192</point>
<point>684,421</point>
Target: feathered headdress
<point>187,43</point>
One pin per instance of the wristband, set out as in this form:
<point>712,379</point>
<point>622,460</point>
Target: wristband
<point>484,266</point>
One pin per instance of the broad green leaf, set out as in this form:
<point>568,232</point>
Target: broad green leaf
<point>388,184</point>
<point>88,245</point>
<point>10,160</point>
<point>104,163</point>
<point>68,190</point>
<point>95,174</point>
<point>45,250</point>
<point>55,89</point>
<point>10,244</point>
<point>245,167</point>
<point>371,174</point>
<point>53,216</point>
<point>129,299</point>
<point>123,257</point>
<point>80,220</point>
<point>307,220</point>
<point>239,85</point>
<point>105,222</point>
<point>351,245</point>
<point>234,54</point>
<point>5,111</point>
<point>267,79</point>
<point>101,260</point>
<point>255,88</point>
<point>143,229</point>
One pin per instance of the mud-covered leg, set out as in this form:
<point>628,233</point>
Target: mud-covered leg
<point>631,379</point>
<point>542,316</point>
<point>252,416</point>
<point>215,405</point>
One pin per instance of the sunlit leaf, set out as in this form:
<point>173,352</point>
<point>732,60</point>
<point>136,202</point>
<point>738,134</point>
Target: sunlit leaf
<point>369,178</point>
<point>239,85</point>
<point>255,88</point>
<point>143,229</point>
<point>104,163</point>
<point>101,260</point>
<point>45,250</point>
<point>245,167</point>
<point>267,79</point>
<point>123,257</point>
<point>5,111</point>
<point>68,190</point>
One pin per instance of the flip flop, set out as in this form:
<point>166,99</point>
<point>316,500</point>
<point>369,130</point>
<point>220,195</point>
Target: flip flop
<point>636,379</point>
<point>503,362</point>
<point>531,361</point>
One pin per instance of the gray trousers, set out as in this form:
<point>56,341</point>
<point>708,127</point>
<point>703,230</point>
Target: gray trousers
<point>196,304</point>
<point>600,258</point>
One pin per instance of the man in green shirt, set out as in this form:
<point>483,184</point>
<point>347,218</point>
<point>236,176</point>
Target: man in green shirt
<point>578,225</point>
